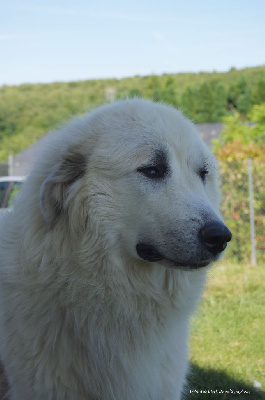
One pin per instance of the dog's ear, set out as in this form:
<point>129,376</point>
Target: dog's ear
<point>56,187</point>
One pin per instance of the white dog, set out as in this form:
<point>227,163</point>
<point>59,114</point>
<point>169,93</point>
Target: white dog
<point>103,257</point>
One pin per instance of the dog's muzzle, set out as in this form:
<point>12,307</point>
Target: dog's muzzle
<point>213,237</point>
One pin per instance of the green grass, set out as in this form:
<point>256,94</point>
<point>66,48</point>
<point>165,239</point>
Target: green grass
<point>227,346</point>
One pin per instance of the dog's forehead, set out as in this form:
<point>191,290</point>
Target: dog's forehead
<point>139,130</point>
<point>142,122</point>
<point>167,137</point>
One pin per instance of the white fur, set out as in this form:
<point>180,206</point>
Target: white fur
<point>82,315</point>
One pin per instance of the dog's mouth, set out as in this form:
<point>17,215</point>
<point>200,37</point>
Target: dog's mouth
<point>149,253</point>
<point>181,265</point>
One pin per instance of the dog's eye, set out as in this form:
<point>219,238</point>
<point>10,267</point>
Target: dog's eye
<point>153,172</point>
<point>203,172</point>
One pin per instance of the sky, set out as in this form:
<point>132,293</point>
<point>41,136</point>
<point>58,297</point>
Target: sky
<point>59,40</point>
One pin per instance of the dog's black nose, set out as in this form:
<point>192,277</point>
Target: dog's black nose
<point>215,236</point>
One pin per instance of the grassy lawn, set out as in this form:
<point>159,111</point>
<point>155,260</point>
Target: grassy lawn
<point>227,346</point>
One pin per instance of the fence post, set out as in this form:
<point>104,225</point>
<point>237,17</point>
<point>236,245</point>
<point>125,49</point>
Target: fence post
<point>251,213</point>
<point>10,164</point>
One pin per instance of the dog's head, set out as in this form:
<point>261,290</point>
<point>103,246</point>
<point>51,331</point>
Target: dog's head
<point>139,176</point>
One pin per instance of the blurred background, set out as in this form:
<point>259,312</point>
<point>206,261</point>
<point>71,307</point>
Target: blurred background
<point>64,58</point>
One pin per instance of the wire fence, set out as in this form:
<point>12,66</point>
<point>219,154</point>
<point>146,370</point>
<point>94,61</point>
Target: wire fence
<point>243,207</point>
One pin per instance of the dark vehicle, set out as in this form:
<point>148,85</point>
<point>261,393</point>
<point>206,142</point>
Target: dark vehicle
<point>9,188</point>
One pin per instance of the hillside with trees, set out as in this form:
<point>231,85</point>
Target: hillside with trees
<point>29,111</point>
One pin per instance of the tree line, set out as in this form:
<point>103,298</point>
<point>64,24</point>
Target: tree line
<point>210,100</point>
<point>29,111</point>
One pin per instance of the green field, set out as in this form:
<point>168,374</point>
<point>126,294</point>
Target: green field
<point>227,347</point>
